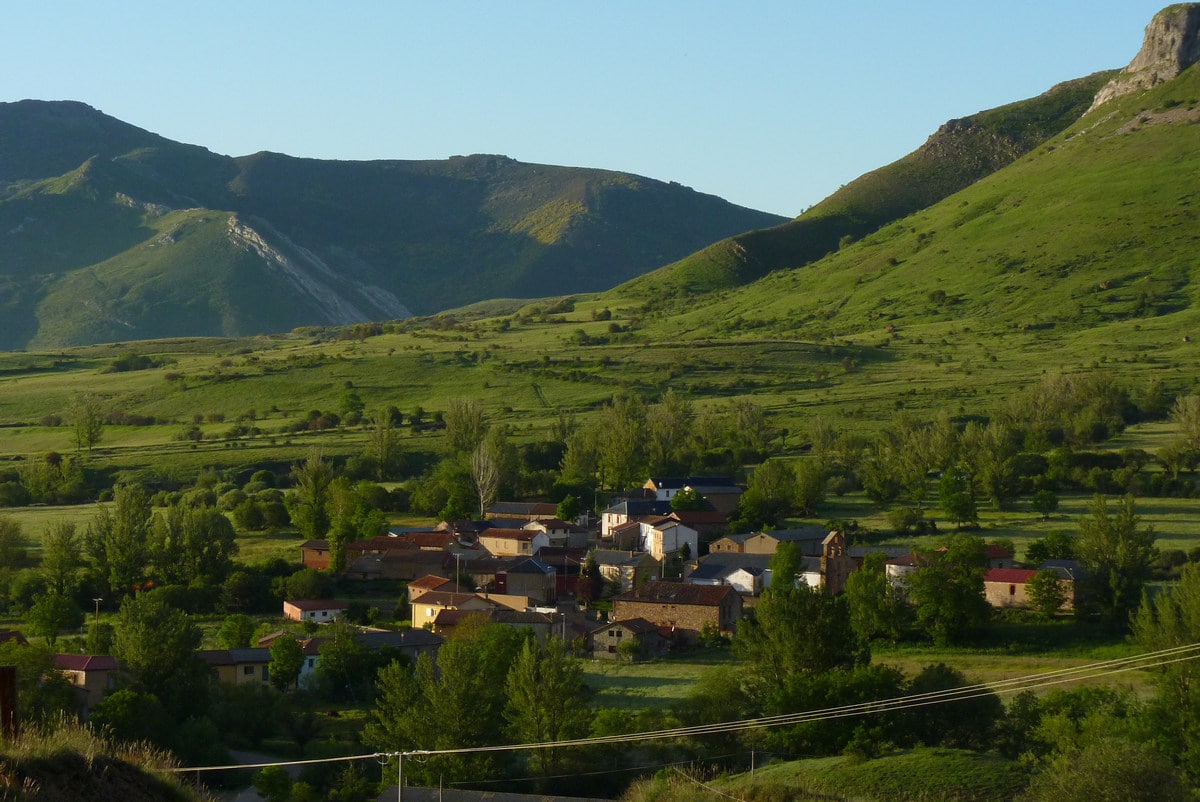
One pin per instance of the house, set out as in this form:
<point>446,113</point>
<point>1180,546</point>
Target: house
<point>315,554</point>
<point>321,611</point>
<point>899,569</point>
<point>532,578</point>
<point>524,510</point>
<point>626,569</point>
<point>661,536</point>
<point>567,564</point>
<point>426,607</point>
<point>560,533</point>
<point>238,666</point>
<point>513,542</point>
<point>808,538</point>
<point>404,564</point>
<point>686,609</point>
<point>667,537</point>
<point>426,583</point>
<point>730,544</point>
<point>1005,587</point>
<point>625,511</point>
<point>748,574</point>
<point>631,639</point>
<point>92,675</point>
<point>422,539</point>
<point>709,523</point>
<point>1070,577</point>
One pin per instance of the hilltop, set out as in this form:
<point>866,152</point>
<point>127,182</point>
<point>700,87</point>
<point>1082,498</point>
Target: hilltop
<point>112,233</point>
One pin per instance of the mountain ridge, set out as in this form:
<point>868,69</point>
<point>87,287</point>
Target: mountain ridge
<point>80,190</point>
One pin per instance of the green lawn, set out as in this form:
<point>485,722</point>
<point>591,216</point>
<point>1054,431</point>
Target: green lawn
<point>655,684</point>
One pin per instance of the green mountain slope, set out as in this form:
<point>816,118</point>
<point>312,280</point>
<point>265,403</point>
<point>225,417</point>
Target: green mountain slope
<point>1093,231</point>
<point>327,242</point>
<point>958,154</point>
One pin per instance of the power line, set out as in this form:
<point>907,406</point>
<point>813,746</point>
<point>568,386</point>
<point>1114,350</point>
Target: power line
<point>1061,676</point>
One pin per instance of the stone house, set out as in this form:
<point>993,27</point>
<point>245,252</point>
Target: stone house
<point>611,641</point>
<point>532,578</point>
<point>685,610</point>
<point>626,569</point>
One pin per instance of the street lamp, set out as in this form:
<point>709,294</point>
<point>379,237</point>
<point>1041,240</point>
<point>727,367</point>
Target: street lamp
<point>457,572</point>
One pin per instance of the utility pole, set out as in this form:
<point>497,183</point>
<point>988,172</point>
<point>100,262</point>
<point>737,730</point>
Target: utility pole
<point>97,600</point>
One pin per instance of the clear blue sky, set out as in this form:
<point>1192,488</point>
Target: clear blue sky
<point>771,105</point>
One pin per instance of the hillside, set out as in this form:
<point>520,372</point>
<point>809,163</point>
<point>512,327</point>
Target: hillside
<point>114,233</point>
<point>961,152</point>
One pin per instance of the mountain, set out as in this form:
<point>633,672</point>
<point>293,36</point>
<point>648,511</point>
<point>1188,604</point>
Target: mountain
<point>109,232</point>
<point>1083,247</point>
<point>959,153</point>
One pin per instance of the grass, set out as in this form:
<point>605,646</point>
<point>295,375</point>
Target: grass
<point>652,684</point>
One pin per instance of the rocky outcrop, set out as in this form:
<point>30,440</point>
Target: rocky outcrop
<point>340,300</point>
<point>1172,44</point>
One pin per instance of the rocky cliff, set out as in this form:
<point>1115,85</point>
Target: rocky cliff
<point>1172,44</point>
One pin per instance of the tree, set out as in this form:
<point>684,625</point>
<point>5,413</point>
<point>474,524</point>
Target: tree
<point>1046,593</point>
<point>688,499</point>
<point>796,629</point>
<point>44,694</point>
<point>569,508</point>
<point>1112,767</point>
<point>117,539</point>
<point>1168,620</point>
<point>965,723</point>
<point>51,613</point>
<point>464,693</point>
<point>485,476</point>
<point>770,496</point>
<point>877,607</point>
<point>622,429</point>
<point>1116,555</point>
<point>62,557</point>
<point>669,432</point>
<point>383,445</point>
<point>87,418</point>
<point>1045,502</point>
<point>956,495</point>
<point>157,645</point>
<point>546,701</point>
<point>1054,546</point>
<point>465,424</point>
<point>947,590</point>
<point>345,668</point>
<point>193,545</point>
<point>810,487</point>
<point>1185,414</point>
<point>14,549</point>
<point>307,501</point>
<point>236,631</point>
<point>287,658</point>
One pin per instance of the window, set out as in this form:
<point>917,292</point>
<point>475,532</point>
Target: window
<point>1012,590</point>
<point>247,671</point>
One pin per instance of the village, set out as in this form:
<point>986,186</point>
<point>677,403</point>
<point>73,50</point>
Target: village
<point>637,583</point>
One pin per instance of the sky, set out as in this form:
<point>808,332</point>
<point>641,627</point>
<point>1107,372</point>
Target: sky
<point>771,105</point>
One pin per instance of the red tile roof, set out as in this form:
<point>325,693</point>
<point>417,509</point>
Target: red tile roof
<point>429,581</point>
<point>85,662</point>
<point>1012,576</point>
